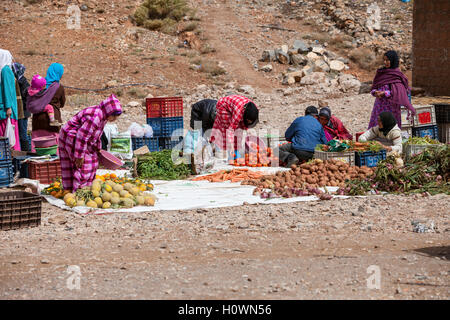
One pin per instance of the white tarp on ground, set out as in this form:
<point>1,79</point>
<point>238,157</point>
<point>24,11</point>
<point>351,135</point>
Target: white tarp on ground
<point>185,195</point>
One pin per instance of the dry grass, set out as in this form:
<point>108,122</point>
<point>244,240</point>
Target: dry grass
<point>161,15</point>
<point>208,66</point>
<point>364,58</point>
<point>341,41</point>
<point>136,93</point>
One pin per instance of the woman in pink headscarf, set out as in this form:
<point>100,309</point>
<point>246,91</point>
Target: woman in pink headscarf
<point>80,143</point>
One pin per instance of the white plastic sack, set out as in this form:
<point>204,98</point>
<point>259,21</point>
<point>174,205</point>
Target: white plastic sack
<point>121,146</point>
<point>148,131</point>
<point>9,133</point>
<point>136,130</point>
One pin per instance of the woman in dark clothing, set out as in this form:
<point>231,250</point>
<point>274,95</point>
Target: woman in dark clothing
<point>204,111</point>
<point>19,73</point>
<point>40,122</point>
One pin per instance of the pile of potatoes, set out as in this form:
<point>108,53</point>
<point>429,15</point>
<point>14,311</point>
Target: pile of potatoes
<point>314,174</point>
<point>108,195</point>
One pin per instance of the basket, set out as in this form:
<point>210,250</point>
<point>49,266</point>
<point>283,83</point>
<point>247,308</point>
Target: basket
<point>6,173</point>
<point>413,149</point>
<point>19,165</point>
<point>345,156</point>
<point>5,152</point>
<point>405,122</point>
<point>151,143</point>
<point>168,143</point>
<point>431,131</point>
<point>369,159</point>
<point>46,151</point>
<point>46,172</point>
<point>165,127</point>
<point>19,209</point>
<point>444,132</point>
<point>45,142</point>
<point>442,112</point>
<point>109,161</point>
<point>425,116</point>
<point>164,107</point>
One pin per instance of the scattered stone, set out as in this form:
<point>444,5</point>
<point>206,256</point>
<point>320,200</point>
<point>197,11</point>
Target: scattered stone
<point>284,48</point>
<point>57,220</point>
<point>45,261</point>
<point>321,65</point>
<point>133,104</point>
<point>268,56</point>
<point>298,60</point>
<point>313,78</point>
<point>247,89</point>
<point>336,65</point>
<point>300,46</point>
<point>312,56</point>
<point>84,7</point>
<point>307,70</point>
<point>349,83</point>
<point>318,50</point>
<point>111,83</point>
<point>266,68</point>
<point>282,57</point>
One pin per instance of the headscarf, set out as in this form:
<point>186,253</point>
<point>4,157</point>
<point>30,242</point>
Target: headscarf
<point>5,60</point>
<point>111,106</point>
<point>19,70</point>
<point>251,114</point>
<point>388,121</point>
<point>37,84</point>
<point>393,58</point>
<point>54,73</point>
<point>326,112</point>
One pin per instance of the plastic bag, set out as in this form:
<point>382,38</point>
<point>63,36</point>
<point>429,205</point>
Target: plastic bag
<point>120,145</point>
<point>136,130</point>
<point>9,133</point>
<point>337,146</point>
<point>148,131</point>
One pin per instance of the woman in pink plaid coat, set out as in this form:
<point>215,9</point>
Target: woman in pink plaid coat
<point>80,143</point>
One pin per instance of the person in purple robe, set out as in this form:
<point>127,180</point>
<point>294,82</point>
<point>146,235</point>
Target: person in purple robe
<point>391,90</point>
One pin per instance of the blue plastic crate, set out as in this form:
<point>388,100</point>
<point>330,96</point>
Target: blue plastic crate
<point>18,165</point>
<point>164,127</point>
<point>168,143</point>
<point>431,131</point>
<point>6,173</point>
<point>5,151</point>
<point>151,143</point>
<point>369,159</point>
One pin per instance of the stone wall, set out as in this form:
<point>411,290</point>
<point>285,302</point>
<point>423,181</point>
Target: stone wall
<point>431,46</point>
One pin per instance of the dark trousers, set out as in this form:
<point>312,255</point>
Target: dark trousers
<point>23,126</point>
<point>290,156</point>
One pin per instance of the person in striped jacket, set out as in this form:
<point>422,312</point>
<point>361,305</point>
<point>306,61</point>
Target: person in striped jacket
<point>233,113</point>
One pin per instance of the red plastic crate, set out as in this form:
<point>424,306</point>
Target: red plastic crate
<point>164,107</point>
<point>45,172</point>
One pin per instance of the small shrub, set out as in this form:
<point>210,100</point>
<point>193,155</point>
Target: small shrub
<point>190,27</point>
<point>161,15</point>
<point>364,57</point>
<point>206,48</point>
<point>212,68</point>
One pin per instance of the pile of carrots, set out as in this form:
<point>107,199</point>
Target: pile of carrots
<point>257,157</point>
<point>235,175</point>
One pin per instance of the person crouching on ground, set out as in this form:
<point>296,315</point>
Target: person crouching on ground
<point>80,143</point>
<point>204,112</point>
<point>387,133</point>
<point>304,133</point>
<point>233,113</point>
<point>333,127</point>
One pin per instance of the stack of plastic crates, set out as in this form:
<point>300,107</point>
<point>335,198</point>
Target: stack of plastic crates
<point>6,165</point>
<point>425,122</point>
<point>443,121</point>
<point>165,116</point>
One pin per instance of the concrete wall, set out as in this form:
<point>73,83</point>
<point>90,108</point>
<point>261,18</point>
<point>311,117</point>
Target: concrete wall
<point>431,46</point>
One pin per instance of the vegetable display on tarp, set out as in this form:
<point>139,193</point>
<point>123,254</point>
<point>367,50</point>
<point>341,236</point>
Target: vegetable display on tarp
<point>427,172</point>
<point>158,165</point>
<point>308,177</point>
<point>348,145</point>
<point>235,175</point>
<point>106,192</point>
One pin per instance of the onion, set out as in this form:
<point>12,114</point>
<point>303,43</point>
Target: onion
<point>264,195</point>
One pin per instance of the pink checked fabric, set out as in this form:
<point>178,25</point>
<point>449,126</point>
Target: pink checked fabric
<point>81,138</point>
<point>229,118</point>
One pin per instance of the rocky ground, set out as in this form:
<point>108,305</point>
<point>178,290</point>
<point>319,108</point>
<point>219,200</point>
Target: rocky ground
<point>316,250</point>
